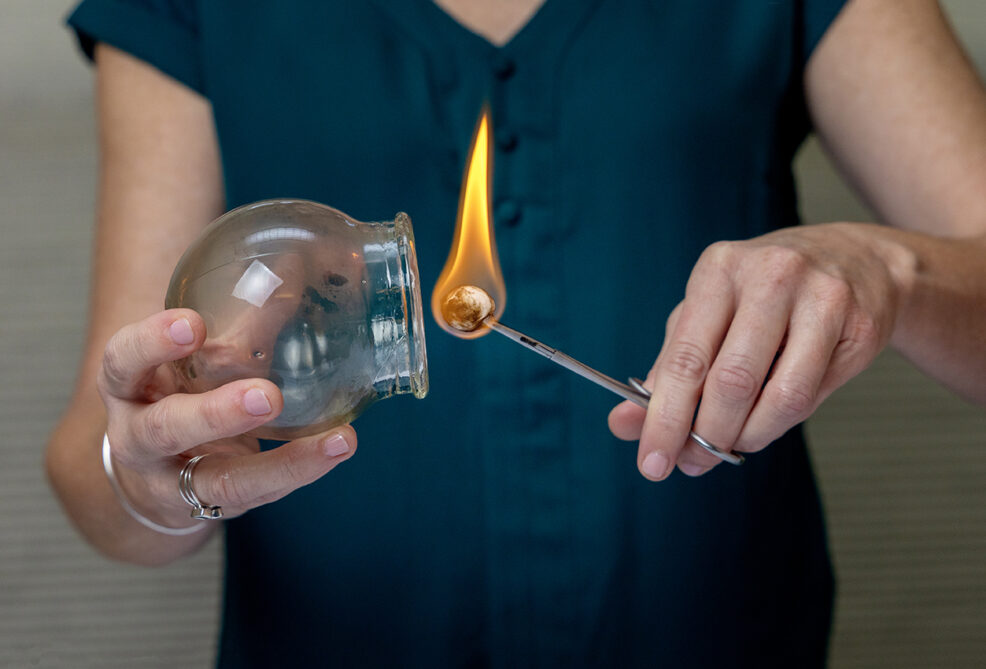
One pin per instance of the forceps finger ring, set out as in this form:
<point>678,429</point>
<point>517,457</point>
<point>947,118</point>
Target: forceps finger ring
<point>725,456</point>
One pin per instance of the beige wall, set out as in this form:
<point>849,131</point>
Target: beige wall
<point>902,464</point>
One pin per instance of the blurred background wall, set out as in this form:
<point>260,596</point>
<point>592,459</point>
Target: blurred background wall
<point>902,464</point>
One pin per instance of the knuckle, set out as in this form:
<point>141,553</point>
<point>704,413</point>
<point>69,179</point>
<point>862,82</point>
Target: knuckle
<point>717,254</point>
<point>686,362</point>
<point>861,341</point>
<point>672,422</point>
<point>779,264</point>
<point>229,488</point>
<point>864,330</point>
<point>852,357</point>
<point>834,292</point>
<point>669,418</point>
<point>157,427</point>
<point>103,385</point>
<point>713,266</point>
<point>792,399</point>
<point>114,369</point>
<point>829,303</point>
<point>735,381</point>
<point>214,416</point>
<point>294,468</point>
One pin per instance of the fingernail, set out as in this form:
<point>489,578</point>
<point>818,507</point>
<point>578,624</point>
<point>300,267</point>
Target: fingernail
<point>655,465</point>
<point>181,332</point>
<point>335,445</point>
<point>256,403</point>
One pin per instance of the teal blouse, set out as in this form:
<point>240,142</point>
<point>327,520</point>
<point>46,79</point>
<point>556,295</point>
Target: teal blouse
<point>497,522</point>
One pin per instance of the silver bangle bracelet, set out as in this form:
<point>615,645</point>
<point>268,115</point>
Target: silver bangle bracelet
<point>129,508</point>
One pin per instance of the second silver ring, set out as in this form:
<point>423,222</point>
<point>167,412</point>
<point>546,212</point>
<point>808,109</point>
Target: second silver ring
<point>200,511</point>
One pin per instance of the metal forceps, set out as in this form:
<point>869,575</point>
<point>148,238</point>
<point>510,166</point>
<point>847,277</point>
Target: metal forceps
<point>635,392</point>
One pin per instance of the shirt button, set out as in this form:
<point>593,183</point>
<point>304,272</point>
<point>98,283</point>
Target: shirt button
<point>509,213</point>
<point>504,68</point>
<point>507,141</point>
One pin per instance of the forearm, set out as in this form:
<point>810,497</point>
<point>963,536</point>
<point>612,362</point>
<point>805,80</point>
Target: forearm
<point>903,113</point>
<point>941,324</point>
<point>75,471</point>
<point>159,184</point>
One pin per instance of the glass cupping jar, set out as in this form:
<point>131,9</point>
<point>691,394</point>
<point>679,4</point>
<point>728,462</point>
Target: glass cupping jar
<point>326,307</point>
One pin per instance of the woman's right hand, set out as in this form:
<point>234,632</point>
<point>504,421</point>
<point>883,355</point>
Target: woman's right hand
<point>154,429</point>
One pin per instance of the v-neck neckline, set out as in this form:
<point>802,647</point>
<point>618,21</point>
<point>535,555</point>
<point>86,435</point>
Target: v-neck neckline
<point>520,37</point>
<point>545,31</point>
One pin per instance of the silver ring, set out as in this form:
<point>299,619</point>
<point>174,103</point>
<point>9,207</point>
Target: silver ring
<point>200,511</point>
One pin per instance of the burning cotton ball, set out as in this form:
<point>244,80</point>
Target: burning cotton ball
<point>466,307</point>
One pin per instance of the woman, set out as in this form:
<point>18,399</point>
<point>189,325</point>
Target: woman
<point>496,522</point>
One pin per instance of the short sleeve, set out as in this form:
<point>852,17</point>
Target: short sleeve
<point>817,16</point>
<point>163,33</point>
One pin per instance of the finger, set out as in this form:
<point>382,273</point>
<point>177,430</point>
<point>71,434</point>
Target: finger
<point>137,350</point>
<point>179,422</point>
<point>859,343</point>
<point>626,419</point>
<point>737,376</point>
<point>669,327</point>
<point>678,377</point>
<point>244,482</point>
<point>791,393</point>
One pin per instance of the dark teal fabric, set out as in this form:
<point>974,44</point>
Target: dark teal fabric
<point>497,522</point>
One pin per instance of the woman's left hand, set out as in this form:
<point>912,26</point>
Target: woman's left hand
<point>769,327</point>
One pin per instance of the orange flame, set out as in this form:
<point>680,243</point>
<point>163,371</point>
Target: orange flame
<point>472,258</point>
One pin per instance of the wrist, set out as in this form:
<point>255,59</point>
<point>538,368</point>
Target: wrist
<point>897,252</point>
<point>903,262</point>
<point>127,504</point>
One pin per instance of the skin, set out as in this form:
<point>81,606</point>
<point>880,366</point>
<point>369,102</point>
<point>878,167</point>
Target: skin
<point>901,111</point>
<point>160,184</point>
<point>496,21</point>
<point>896,104</point>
